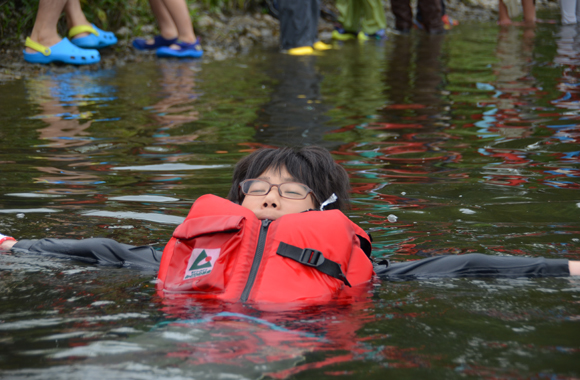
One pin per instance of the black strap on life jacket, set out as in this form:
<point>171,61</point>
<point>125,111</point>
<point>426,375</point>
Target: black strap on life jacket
<point>366,245</point>
<point>312,258</point>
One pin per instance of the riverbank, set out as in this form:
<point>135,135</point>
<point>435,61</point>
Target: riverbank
<point>224,36</point>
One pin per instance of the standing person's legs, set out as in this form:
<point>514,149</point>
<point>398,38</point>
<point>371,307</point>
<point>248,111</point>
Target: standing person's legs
<point>45,45</point>
<point>75,16</point>
<point>44,30</point>
<point>374,17</point>
<point>403,15</point>
<point>187,45</point>
<point>167,27</point>
<point>431,11</point>
<point>349,14</point>
<point>568,9</point>
<point>529,11</point>
<point>298,24</point>
<point>314,15</point>
<point>81,32</point>
<point>504,15</point>
<point>180,16</point>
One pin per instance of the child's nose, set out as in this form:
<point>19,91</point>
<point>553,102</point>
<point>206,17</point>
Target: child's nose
<point>272,199</point>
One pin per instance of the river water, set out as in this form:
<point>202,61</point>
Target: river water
<point>454,144</point>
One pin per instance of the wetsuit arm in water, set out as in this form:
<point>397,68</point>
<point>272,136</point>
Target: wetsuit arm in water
<point>98,251</point>
<point>474,265</point>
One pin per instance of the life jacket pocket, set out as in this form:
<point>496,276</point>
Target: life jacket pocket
<point>204,250</point>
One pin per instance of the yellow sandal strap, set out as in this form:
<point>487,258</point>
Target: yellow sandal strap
<point>36,46</point>
<point>76,30</point>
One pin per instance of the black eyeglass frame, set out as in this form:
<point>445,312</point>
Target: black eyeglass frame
<point>310,191</point>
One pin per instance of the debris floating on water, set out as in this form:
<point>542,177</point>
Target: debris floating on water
<point>392,218</point>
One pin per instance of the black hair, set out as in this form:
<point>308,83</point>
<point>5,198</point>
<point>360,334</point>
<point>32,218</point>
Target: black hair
<point>311,165</point>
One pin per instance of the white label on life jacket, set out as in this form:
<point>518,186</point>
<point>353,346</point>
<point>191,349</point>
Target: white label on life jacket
<point>201,262</point>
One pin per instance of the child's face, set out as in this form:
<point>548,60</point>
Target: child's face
<point>272,205</point>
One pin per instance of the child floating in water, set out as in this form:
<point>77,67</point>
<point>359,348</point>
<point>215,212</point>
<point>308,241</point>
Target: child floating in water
<point>280,229</point>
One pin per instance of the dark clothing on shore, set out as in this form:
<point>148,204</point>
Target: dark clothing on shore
<point>430,13</point>
<point>298,23</point>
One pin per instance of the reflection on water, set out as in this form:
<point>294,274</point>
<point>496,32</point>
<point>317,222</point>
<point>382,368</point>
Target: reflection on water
<point>59,98</point>
<point>295,115</point>
<point>460,143</point>
<point>176,105</point>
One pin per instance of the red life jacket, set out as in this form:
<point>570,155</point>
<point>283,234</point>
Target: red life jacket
<point>223,251</point>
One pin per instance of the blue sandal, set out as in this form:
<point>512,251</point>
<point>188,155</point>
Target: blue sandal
<point>97,38</point>
<point>186,50</point>
<point>64,51</point>
<point>159,41</point>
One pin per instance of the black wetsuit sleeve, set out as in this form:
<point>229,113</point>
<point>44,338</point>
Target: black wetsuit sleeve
<point>98,251</point>
<point>473,265</point>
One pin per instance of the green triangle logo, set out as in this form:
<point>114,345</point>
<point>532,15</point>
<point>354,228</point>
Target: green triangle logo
<point>202,257</point>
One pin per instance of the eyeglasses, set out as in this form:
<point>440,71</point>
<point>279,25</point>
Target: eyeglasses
<point>290,190</point>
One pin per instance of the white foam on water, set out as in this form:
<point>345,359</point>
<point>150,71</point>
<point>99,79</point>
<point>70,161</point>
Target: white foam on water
<point>101,303</point>
<point>169,167</point>
<point>150,217</point>
<point>30,323</point>
<point>105,347</point>
<point>117,317</point>
<point>172,335</point>
<point>27,210</point>
<point>144,198</point>
<point>74,334</point>
<point>34,195</point>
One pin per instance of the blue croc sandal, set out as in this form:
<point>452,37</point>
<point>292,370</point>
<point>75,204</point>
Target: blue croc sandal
<point>97,38</point>
<point>186,50</point>
<point>64,51</point>
<point>159,41</point>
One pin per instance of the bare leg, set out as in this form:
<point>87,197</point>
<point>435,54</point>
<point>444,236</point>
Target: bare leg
<point>166,24</point>
<point>529,12</point>
<point>180,15</point>
<point>74,14</point>
<point>504,16</point>
<point>44,30</point>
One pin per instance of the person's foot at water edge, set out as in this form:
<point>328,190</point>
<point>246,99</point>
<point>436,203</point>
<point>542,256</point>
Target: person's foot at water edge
<point>340,34</point>
<point>63,51</point>
<point>154,43</point>
<point>378,35</point>
<point>309,50</point>
<point>181,49</point>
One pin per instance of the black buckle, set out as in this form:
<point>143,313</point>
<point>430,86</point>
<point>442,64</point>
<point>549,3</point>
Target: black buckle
<point>311,257</point>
